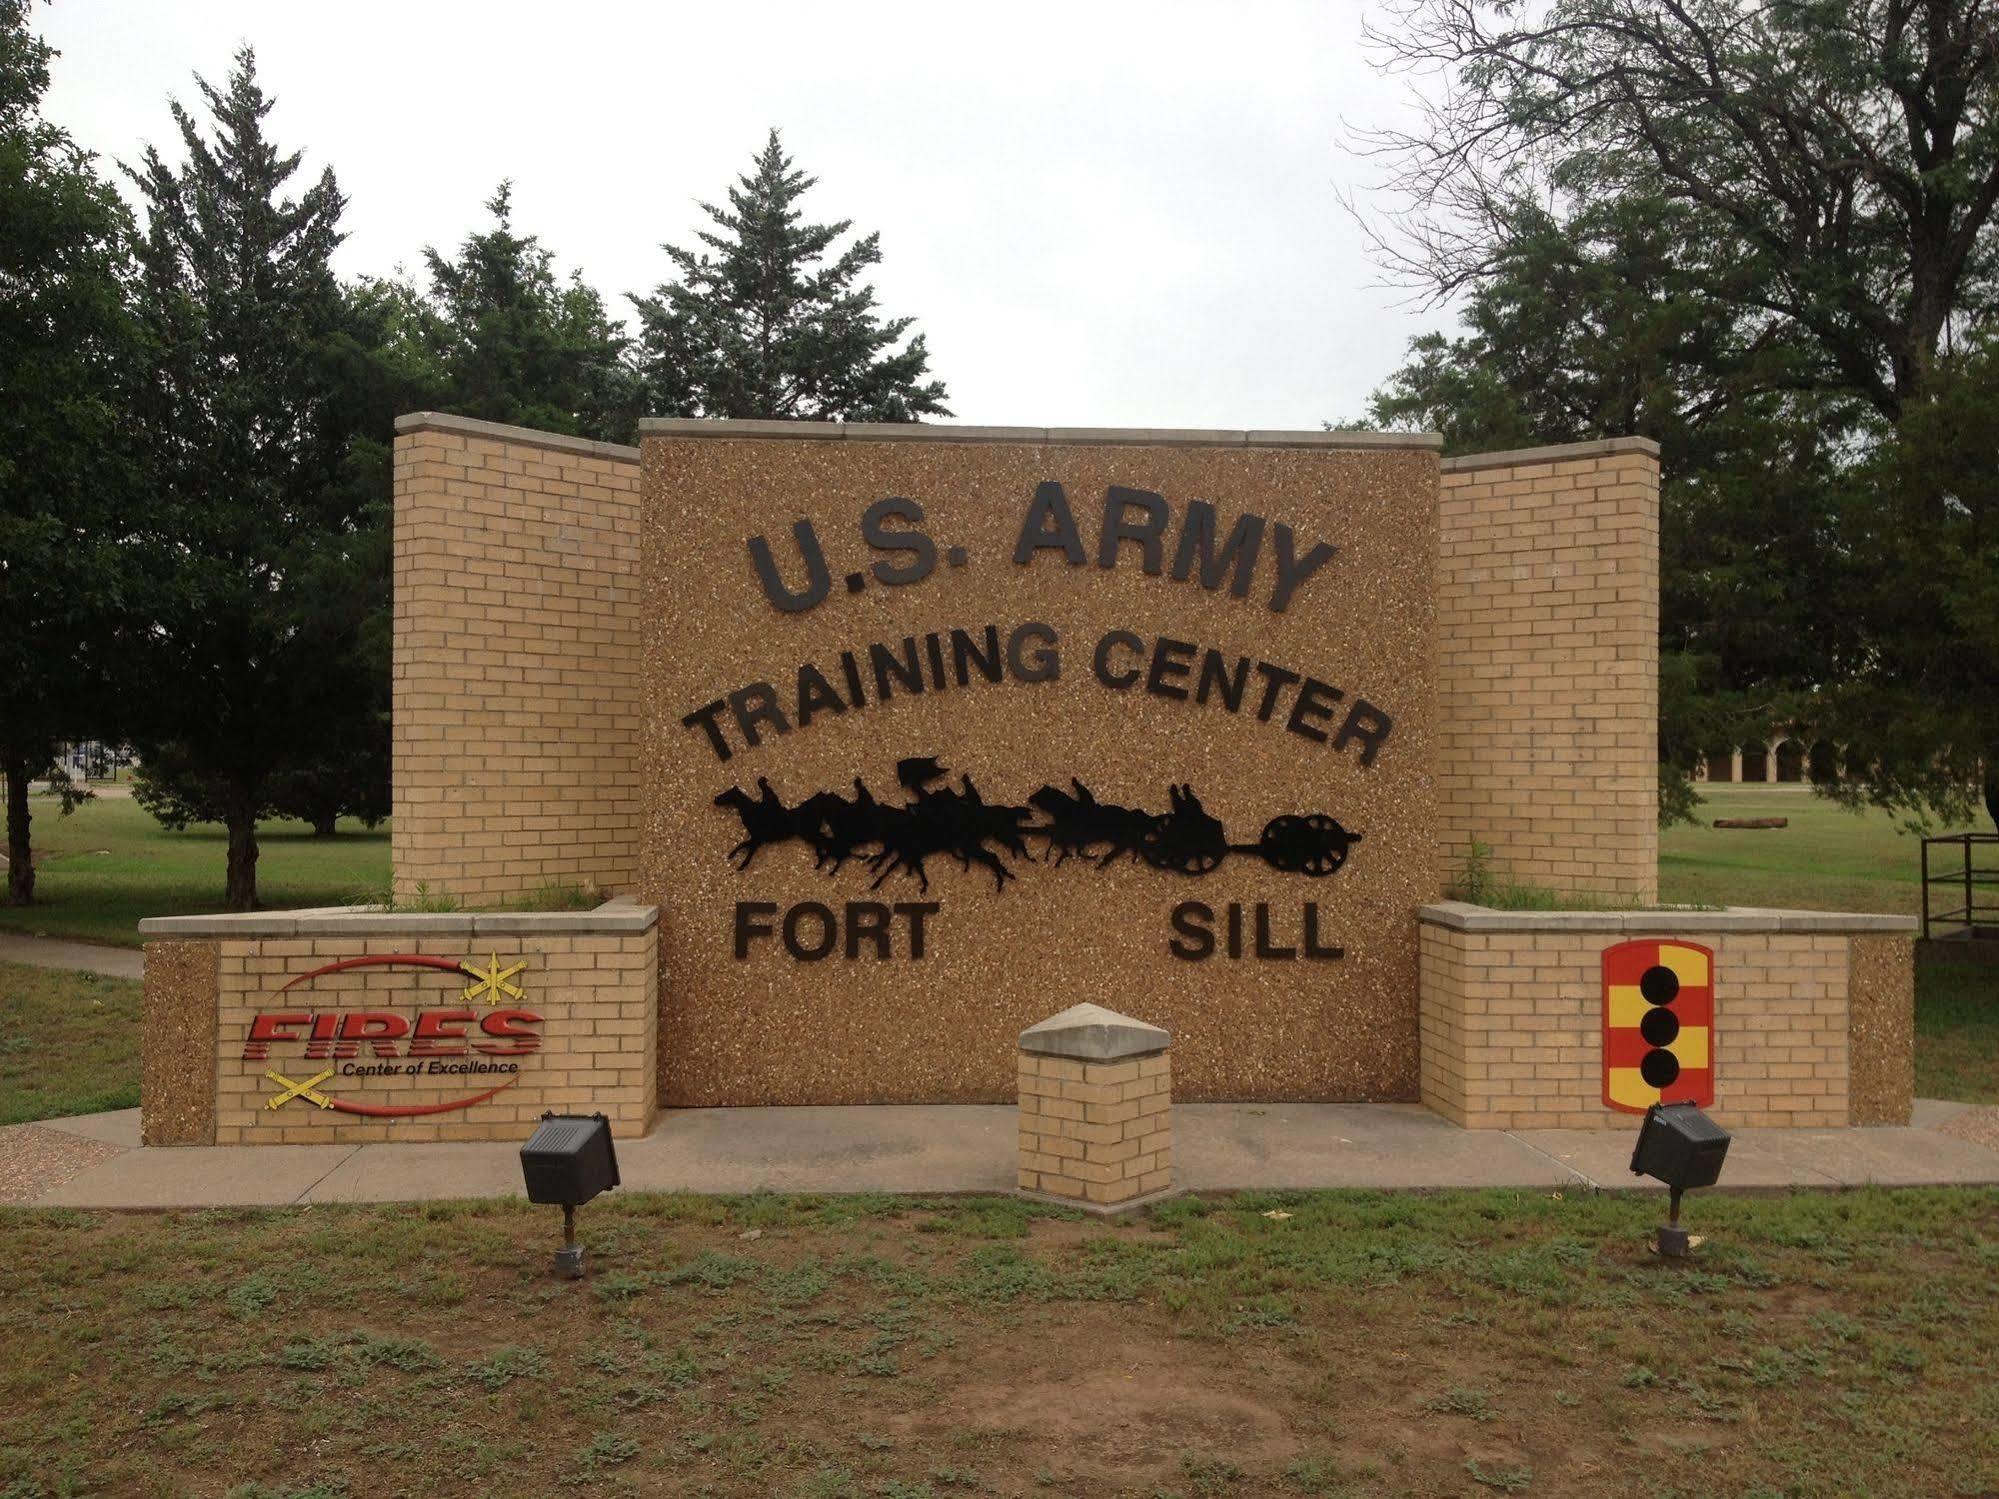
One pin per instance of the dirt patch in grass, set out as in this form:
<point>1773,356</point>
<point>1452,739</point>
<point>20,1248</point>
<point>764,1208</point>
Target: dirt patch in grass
<point>1456,1344</point>
<point>1114,1402</point>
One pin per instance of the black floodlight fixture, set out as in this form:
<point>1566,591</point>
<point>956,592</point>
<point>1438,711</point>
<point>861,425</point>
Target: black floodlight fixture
<point>568,1160</point>
<point>1682,1147</point>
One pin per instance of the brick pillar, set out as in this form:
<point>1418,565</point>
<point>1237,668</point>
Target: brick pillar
<point>1096,1100</point>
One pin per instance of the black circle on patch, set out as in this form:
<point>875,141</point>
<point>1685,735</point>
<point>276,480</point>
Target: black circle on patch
<point>1660,1026</point>
<point>1659,1068</point>
<point>1659,984</point>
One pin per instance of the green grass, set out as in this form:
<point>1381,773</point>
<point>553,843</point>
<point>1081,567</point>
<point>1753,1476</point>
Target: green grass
<point>69,1044</point>
<point>1363,1343</point>
<point>1957,1032</point>
<point>108,864</point>
<point>1828,859</point>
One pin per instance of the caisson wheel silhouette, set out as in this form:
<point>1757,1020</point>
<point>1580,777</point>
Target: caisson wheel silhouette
<point>1165,845</point>
<point>1313,844</point>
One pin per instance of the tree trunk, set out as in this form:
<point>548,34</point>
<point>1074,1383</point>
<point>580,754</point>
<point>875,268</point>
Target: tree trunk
<point>322,824</point>
<point>1992,785</point>
<point>20,854</point>
<point>242,821</point>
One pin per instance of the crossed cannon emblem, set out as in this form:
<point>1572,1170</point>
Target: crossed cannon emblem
<point>308,1090</point>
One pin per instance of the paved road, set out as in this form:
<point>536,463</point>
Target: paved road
<point>84,957</point>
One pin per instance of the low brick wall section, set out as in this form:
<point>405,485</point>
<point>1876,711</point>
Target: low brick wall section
<point>354,1026</point>
<point>1812,1015</point>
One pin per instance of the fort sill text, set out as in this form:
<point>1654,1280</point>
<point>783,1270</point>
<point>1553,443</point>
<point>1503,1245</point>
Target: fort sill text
<point>1133,522</point>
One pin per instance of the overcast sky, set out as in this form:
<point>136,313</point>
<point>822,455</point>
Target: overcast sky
<point>1100,214</point>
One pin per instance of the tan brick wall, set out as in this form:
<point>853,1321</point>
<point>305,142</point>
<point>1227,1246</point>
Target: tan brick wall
<point>516,709</point>
<point>518,706</point>
<point>596,994</point>
<point>1097,1132</point>
<point>1512,1027</point>
<point>1548,653</point>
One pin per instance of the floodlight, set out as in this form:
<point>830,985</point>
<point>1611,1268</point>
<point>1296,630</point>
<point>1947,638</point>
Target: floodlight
<point>1680,1146</point>
<point>568,1160</point>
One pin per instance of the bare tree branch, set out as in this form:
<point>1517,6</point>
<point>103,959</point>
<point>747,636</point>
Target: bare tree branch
<point>1848,147</point>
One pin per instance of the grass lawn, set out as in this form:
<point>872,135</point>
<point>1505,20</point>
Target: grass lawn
<point>69,1045</point>
<point>1293,1344</point>
<point>1336,1343</point>
<point>1957,1032</point>
<point>1828,859</point>
<point>107,864</point>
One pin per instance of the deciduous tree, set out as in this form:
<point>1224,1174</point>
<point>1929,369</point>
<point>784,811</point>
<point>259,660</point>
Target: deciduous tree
<point>1845,153</point>
<point>1919,711</point>
<point>69,350</point>
<point>1839,163</point>
<point>1596,326</point>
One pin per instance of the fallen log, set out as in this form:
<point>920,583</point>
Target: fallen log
<point>1752,822</point>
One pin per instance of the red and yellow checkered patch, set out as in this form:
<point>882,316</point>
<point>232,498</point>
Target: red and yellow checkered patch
<point>1658,1025</point>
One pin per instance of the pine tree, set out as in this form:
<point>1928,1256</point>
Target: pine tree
<point>512,343</point>
<point>769,326</point>
<point>68,350</point>
<point>266,422</point>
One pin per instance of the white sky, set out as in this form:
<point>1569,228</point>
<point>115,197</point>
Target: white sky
<point>1101,214</point>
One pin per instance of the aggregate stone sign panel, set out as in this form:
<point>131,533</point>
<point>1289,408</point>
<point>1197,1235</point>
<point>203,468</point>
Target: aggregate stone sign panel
<point>943,736</point>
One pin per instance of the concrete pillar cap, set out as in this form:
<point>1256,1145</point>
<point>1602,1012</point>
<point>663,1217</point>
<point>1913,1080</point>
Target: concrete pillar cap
<point>1091,1033</point>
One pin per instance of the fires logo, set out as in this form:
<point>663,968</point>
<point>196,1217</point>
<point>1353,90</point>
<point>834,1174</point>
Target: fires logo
<point>431,1045</point>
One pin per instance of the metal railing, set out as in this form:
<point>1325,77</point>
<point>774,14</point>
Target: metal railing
<point>1975,917</point>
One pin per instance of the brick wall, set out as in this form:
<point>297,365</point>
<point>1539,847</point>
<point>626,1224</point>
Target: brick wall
<point>595,992</point>
<point>516,707</point>
<point>1548,655</point>
<point>1512,1020</point>
<point>1099,1132</point>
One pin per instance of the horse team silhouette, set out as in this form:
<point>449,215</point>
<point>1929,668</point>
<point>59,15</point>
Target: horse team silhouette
<point>936,819</point>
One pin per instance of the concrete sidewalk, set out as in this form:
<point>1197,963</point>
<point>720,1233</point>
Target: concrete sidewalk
<point>84,957</point>
<point>970,1148</point>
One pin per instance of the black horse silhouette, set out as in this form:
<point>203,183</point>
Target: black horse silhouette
<point>1079,824</point>
<point>977,822</point>
<point>766,820</point>
<point>959,823</point>
<point>838,829</point>
<point>935,819</point>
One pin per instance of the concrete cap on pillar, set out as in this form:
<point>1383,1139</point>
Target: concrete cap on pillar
<point>1091,1033</point>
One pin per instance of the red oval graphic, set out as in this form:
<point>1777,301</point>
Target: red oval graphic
<point>380,960</point>
<point>405,1110</point>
